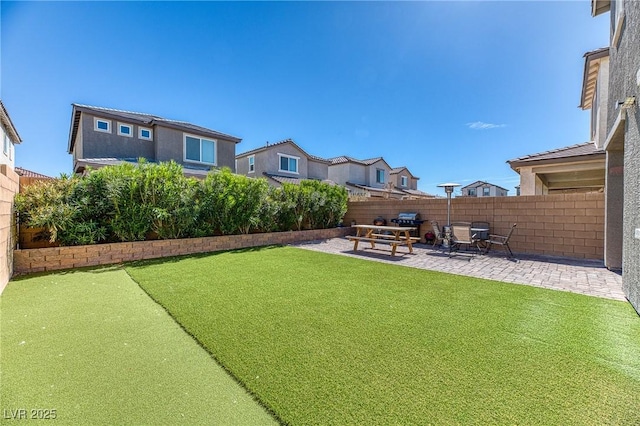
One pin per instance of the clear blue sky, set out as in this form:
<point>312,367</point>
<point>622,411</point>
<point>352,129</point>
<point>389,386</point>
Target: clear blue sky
<point>405,81</point>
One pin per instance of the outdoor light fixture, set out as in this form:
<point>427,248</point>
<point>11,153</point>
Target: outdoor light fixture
<point>448,188</point>
<point>630,102</point>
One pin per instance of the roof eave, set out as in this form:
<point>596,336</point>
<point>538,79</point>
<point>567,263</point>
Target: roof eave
<point>8,125</point>
<point>534,162</point>
<point>600,6</point>
<point>590,76</point>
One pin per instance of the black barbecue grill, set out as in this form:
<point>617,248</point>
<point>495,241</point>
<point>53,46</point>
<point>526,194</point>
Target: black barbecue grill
<point>409,220</point>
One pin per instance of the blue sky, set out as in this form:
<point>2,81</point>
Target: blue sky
<point>452,90</point>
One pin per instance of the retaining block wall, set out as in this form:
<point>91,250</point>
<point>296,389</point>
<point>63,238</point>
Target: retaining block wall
<point>55,258</point>
<point>569,225</point>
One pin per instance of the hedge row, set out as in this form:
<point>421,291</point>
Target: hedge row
<point>135,202</point>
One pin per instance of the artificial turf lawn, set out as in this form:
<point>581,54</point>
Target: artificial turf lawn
<point>328,339</point>
<point>96,349</point>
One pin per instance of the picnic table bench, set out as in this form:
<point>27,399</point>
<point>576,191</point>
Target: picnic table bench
<point>394,236</point>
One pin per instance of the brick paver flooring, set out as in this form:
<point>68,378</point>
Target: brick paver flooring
<point>575,275</point>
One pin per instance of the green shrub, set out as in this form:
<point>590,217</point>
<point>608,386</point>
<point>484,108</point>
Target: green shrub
<point>128,202</point>
<point>230,203</point>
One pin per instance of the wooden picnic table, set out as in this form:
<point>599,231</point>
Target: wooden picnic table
<point>376,234</point>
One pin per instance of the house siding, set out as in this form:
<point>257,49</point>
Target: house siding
<point>624,66</point>
<point>348,172</point>
<point>100,144</point>
<point>371,174</point>
<point>169,144</point>
<point>317,170</point>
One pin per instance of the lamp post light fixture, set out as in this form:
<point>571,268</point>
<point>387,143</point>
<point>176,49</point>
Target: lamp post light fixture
<point>448,188</point>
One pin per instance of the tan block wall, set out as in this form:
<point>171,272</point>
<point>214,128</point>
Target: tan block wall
<point>55,258</point>
<point>557,225</point>
<point>8,189</point>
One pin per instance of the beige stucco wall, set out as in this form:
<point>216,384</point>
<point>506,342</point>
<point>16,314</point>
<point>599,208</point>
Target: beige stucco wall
<point>8,189</point>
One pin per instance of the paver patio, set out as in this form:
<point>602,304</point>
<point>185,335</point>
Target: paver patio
<point>588,277</point>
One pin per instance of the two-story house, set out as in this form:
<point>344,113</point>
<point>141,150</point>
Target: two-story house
<point>483,189</point>
<point>104,136</point>
<point>622,143</point>
<point>369,177</point>
<point>282,162</point>
<point>374,178</point>
<point>10,138</point>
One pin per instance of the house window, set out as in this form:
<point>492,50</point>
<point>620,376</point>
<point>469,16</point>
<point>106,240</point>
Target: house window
<point>11,148</point>
<point>486,191</point>
<point>471,192</point>
<point>379,175</point>
<point>5,148</point>
<point>404,181</point>
<point>199,150</point>
<point>288,163</point>
<point>100,125</point>
<point>252,163</point>
<point>144,133</point>
<point>125,130</point>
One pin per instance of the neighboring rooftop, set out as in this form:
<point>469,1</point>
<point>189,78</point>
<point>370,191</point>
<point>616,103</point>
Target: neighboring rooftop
<point>84,163</point>
<point>288,179</point>
<point>479,183</point>
<point>587,149</point>
<point>282,142</point>
<point>28,173</point>
<point>346,159</point>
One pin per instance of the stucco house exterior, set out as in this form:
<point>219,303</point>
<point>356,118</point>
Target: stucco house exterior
<point>483,189</point>
<point>282,162</point>
<point>10,138</point>
<point>401,177</point>
<point>374,177</point>
<point>622,143</point>
<point>103,136</point>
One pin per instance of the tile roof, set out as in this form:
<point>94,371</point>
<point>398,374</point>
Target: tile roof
<point>372,189</point>
<point>282,142</point>
<point>287,179</point>
<point>578,150</point>
<point>188,169</point>
<point>346,159</point>
<point>28,173</point>
<point>417,192</point>
<point>478,183</point>
<point>141,118</point>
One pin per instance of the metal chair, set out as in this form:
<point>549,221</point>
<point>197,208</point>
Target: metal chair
<point>461,235</point>
<point>438,235</point>
<point>502,241</point>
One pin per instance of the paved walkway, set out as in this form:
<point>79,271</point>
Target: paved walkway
<point>575,275</point>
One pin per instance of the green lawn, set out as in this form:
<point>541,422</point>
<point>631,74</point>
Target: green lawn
<point>320,338</point>
<point>92,346</point>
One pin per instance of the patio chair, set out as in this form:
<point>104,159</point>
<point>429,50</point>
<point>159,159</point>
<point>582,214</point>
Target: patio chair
<point>461,235</point>
<point>502,241</point>
<point>438,235</point>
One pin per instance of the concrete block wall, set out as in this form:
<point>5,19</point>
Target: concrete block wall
<point>56,258</point>
<point>8,189</point>
<point>569,225</point>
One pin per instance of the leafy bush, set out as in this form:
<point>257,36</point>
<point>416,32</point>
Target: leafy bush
<point>129,202</point>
